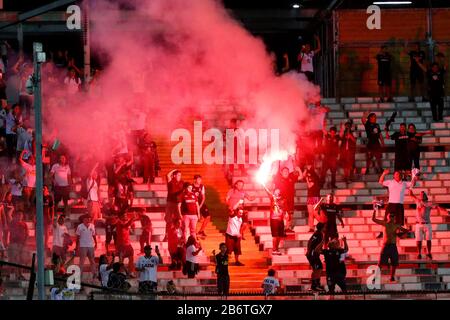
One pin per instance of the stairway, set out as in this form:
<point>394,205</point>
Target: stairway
<point>248,277</point>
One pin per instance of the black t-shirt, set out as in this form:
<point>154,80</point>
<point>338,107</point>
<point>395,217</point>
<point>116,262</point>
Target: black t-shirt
<point>332,260</point>
<point>413,142</point>
<point>401,143</point>
<point>436,83</point>
<point>414,67</point>
<point>348,145</point>
<point>116,280</point>
<point>314,241</point>
<point>384,63</point>
<point>314,190</point>
<point>175,191</point>
<point>332,145</point>
<point>222,264</point>
<point>109,227</point>
<point>331,211</point>
<point>373,132</point>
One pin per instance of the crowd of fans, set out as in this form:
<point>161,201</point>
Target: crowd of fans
<point>136,156</point>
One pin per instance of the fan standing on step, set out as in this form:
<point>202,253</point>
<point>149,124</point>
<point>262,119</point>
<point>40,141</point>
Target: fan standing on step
<point>235,198</point>
<point>397,188</point>
<point>199,190</point>
<point>423,222</point>
<point>389,253</point>
<point>277,213</point>
<point>175,188</point>
<point>375,142</point>
<point>313,256</point>
<point>327,214</point>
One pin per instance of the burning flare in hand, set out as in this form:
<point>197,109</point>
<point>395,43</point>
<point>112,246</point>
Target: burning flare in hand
<point>265,171</point>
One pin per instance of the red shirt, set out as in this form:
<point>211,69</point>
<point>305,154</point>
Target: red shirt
<point>277,208</point>
<point>189,203</point>
<point>123,233</point>
<point>175,239</point>
<point>175,191</point>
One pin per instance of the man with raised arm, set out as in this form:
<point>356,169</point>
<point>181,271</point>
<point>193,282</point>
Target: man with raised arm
<point>397,188</point>
<point>327,213</point>
<point>423,222</point>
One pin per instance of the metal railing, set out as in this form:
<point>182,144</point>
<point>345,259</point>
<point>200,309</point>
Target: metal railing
<point>279,296</point>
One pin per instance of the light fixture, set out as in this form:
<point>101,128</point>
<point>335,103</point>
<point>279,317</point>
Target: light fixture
<point>392,2</point>
<point>296,6</point>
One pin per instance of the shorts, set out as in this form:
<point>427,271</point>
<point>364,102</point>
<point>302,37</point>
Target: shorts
<point>277,228</point>
<point>145,236</point>
<point>16,252</point>
<point>146,287</point>
<point>423,232</point>
<point>314,261</point>
<point>16,200</point>
<point>384,79</point>
<point>87,252</point>
<point>416,77</point>
<point>398,210</point>
<point>312,201</point>
<point>204,211</point>
<point>389,252</point>
<point>61,193</point>
<point>309,75</point>
<point>233,244</point>
<point>60,252</point>
<point>125,251</point>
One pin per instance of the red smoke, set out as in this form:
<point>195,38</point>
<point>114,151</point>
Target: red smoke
<point>175,60</point>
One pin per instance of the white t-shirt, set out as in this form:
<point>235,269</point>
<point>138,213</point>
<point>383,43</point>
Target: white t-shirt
<point>86,235</point>
<point>396,190</point>
<point>58,235</point>
<point>234,226</point>
<point>30,175</point>
<point>61,174</point>
<point>16,187</point>
<point>93,192</point>
<point>104,274</point>
<point>190,254</point>
<point>151,268</point>
<point>307,61</point>
<point>270,284</point>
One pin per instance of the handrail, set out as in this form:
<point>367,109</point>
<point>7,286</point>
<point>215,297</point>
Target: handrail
<point>287,294</point>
